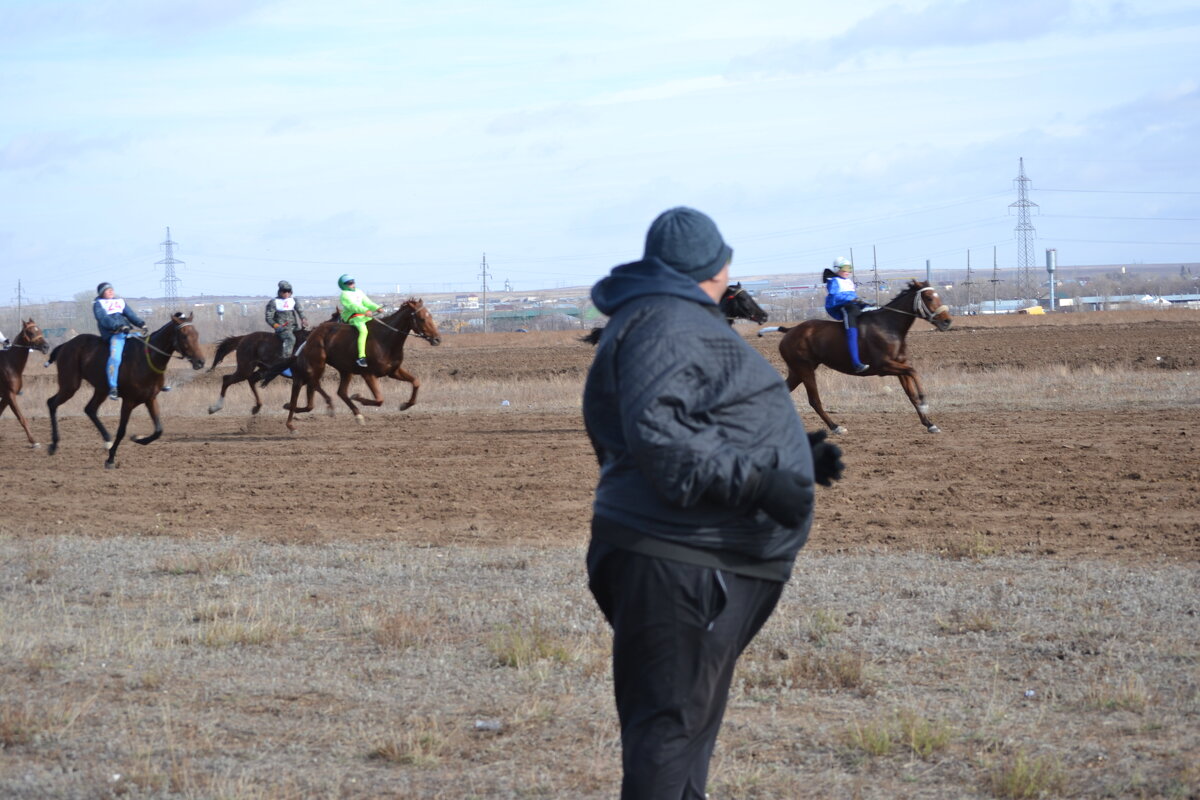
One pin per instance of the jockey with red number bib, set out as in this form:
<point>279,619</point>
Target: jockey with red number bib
<point>844,305</point>
<point>356,310</point>
<point>115,319</point>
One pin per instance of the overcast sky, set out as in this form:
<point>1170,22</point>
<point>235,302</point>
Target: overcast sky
<point>401,140</point>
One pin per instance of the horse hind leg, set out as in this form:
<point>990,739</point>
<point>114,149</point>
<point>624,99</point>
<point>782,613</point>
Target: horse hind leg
<point>226,382</point>
<point>808,376</point>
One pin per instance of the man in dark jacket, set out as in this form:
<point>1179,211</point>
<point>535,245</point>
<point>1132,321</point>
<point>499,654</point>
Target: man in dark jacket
<point>704,499</point>
<point>115,319</point>
<point>285,316</point>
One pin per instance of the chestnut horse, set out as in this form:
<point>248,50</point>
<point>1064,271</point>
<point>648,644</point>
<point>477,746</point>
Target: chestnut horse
<point>139,379</point>
<point>334,344</point>
<point>736,303</point>
<point>255,351</point>
<point>12,368</point>
<point>816,342</point>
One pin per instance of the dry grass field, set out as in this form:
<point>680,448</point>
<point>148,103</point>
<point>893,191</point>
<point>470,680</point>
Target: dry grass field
<point>1010,609</point>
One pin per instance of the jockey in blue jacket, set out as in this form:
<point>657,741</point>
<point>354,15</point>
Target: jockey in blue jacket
<point>115,319</point>
<point>844,305</point>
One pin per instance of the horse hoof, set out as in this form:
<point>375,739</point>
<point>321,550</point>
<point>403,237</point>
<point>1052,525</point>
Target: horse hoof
<point>52,449</point>
<point>406,406</point>
<point>108,445</point>
<point>213,409</point>
<point>110,465</point>
<point>840,430</point>
<point>35,445</point>
<point>934,429</point>
<point>360,419</point>
<point>256,409</point>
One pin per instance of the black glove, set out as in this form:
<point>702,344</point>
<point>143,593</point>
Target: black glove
<point>827,459</point>
<point>785,496</point>
<point>124,329</point>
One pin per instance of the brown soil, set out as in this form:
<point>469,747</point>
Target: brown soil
<point>1116,483</point>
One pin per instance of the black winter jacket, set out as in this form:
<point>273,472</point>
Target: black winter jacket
<point>685,416</point>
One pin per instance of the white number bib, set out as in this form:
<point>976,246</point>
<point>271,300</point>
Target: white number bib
<point>285,305</point>
<point>113,306</point>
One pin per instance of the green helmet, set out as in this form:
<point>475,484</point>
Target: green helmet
<point>345,281</point>
<point>842,263</point>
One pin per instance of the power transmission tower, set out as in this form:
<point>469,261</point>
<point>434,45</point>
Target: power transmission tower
<point>968,282</point>
<point>875,273</point>
<point>483,289</point>
<point>20,297</point>
<point>1025,236</point>
<point>170,280</point>
<point>995,282</point>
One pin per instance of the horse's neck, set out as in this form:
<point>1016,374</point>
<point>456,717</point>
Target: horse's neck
<point>17,356</point>
<point>900,323</point>
<point>402,323</point>
<point>159,347</point>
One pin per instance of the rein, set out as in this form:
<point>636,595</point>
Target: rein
<point>148,347</point>
<point>410,332</point>
<point>920,311</point>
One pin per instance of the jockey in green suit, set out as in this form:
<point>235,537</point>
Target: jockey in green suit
<point>356,310</point>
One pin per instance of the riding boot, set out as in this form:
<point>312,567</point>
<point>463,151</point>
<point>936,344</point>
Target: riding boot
<point>852,343</point>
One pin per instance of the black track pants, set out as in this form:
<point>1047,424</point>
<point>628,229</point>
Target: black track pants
<point>678,630</point>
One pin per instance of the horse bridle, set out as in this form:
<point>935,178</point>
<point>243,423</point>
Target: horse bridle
<point>920,310</point>
<point>146,343</point>
<point>411,332</point>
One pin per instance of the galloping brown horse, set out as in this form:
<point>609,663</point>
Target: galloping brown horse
<point>334,344</point>
<point>810,344</point>
<point>140,378</point>
<point>12,368</point>
<point>255,351</point>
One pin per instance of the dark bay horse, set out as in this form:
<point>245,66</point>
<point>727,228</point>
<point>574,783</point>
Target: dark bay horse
<point>12,369</point>
<point>817,342</point>
<point>255,352</point>
<point>334,344</point>
<point>736,303</point>
<point>140,378</point>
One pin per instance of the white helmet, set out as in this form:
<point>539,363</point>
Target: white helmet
<point>840,263</point>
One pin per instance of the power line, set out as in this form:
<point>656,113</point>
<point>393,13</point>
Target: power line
<point>1113,191</point>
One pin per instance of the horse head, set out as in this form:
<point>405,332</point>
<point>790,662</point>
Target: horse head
<point>421,321</point>
<point>31,336</point>
<point>187,341</point>
<point>928,304</point>
<point>737,303</point>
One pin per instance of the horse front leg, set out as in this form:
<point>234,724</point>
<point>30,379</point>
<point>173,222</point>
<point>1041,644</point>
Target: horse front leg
<point>126,410</point>
<point>342,392</point>
<point>152,407</point>
<point>403,375</point>
<point>258,403</point>
<point>372,383</point>
<point>916,395</point>
<point>11,400</point>
<point>808,376</point>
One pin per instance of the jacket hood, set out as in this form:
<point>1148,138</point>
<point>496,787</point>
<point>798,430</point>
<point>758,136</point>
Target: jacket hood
<point>640,278</point>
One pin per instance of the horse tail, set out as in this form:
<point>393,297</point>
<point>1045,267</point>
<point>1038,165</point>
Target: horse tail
<point>54,354</point>
<point>227,346</point>
<point>774,329</point>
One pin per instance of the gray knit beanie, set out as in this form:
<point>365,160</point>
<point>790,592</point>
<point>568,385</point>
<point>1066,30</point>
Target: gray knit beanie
<point>687,241</point>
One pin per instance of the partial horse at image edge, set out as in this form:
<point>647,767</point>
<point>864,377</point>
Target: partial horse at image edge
<point>12,369</point>
<point>882,333</point>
